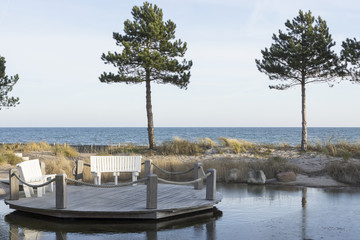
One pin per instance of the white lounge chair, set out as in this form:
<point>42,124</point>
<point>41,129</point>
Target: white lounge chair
<point>30,172</point>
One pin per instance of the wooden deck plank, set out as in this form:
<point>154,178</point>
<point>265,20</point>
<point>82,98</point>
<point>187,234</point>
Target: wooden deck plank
<point>123,202</point>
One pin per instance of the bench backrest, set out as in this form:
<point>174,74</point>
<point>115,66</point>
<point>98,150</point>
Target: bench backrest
<point>29,170</point>
<point>115,163</point>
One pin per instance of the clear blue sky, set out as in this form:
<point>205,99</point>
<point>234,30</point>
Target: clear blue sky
<point>55,47</point>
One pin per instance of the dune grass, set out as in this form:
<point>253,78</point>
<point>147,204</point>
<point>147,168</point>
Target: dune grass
<point>206,143</point>
<point>238,146</point>
<point>57,149</point>
<point>180,146</point>
<point>168,156</point>
<point>64,151</point>
<point>340,148</point>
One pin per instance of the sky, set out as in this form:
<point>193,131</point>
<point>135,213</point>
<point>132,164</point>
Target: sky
<point>55,47</point>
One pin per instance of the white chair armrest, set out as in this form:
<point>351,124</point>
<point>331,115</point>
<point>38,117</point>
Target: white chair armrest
<point>49,176</point>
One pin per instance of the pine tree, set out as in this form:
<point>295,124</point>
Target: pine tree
<point>149,54</point>
<point>350,55</point>
<point>301,55</point>
<point>6,86</point>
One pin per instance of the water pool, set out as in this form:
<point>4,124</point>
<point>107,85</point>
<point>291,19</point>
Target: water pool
<point>246,212</point>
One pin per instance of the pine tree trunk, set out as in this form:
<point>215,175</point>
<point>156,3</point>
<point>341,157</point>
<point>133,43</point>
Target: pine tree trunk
<point>150,127</point>
<point>303,114</point>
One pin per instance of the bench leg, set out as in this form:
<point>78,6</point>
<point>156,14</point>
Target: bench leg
<point>134,177</point>
<point>31,190</point>
<point>116,175</point>
<point>27,191</point>
<point>40,191</point>
<point>97,178</point>
<point>51,187</point>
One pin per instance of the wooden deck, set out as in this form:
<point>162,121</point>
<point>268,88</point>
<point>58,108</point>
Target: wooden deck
<point>121,203</point>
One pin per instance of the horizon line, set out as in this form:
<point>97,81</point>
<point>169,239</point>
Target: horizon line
<point>177,127</point>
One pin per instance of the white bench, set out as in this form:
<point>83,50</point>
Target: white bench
<point>114,164</point>
<point>30,172</point>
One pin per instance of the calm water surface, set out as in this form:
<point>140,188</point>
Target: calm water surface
<point>246,212</point>
<point>138,136</point>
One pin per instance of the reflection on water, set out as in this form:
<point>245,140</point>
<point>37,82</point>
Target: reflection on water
<point>246,212</point>
<point>26,226</point>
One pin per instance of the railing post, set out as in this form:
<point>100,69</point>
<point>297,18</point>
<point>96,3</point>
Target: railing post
<point>148,167</point>
<point>211,185</point>
<point>198,174</point>
<point>14,185</point>
<point>79,171</point>
<point>151,191</point>
<point>61,194</point>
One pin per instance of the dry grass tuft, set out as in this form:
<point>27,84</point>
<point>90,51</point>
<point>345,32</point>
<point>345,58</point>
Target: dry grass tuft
<point>238,146</point>
<point>173,164</point>
<point>128,149</point>
<point>223,167</point>
<point>59,165</point>
<point>344,171</point>
<point>64,151</point>
<point>276,165</point>
<point>9,158</point>
<point>339,148</point>
<point>58,149</point>
<point>206,143</point>
<point>180,146</point>
<point>271,167</point>
<point>32,147</point>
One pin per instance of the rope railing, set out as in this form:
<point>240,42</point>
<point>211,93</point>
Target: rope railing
<point>31,185</point>
<point>106,185</point>
<point>151,186</point>
<point>172,173</point>
<point>78,174</point>
<point>184,183</point>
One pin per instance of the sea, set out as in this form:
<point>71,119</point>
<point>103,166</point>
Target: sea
<point>138,135</point>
